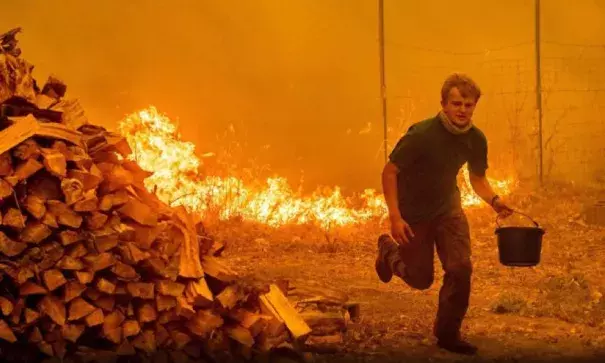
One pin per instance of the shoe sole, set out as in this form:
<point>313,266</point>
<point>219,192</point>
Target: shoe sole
<point>383,272</point>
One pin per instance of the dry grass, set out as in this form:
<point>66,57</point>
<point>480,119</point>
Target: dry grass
<point>552,310</point>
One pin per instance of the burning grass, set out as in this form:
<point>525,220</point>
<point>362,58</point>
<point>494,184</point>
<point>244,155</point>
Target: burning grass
<point>180,179</point>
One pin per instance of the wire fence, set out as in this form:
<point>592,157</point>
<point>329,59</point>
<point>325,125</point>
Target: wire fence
<point>573,103</point>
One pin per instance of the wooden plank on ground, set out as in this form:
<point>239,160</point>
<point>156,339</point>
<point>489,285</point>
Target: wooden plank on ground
<point>280,304</point>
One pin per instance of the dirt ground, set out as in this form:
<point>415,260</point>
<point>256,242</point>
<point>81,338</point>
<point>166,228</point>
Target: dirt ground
<point>554,311</point>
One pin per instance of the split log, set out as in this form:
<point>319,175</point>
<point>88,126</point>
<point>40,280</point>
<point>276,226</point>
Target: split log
<point>183,308</point>
<point>84,277</point>
<point>54,308</point>
<point>9,247</point>
<point>70,263</point>
<point>72,332</point>
<point>130,328</point>
<point>6,164</point>
<point>35,232</point>
<point>124,271</point>
<point>115,177</point>
<point>52,252</point>
<point>279,305</point>
<point>106,286</point>
<point>14,219</point>
<point>229,297</point>
<point>50,220</point>
<point>198,293</point>
<point>190,265</point>
<point>139,212</point>
<point>26,169</point>
<point>325,323</point>
<point>55,162</point>
<point>53,279</point>
<point>88,203</point>
<point>35,206</point>
<point>6,306</point>
<point>6,332</point>
<point>106,303</point>
<point>204,322</point>
<point>31,316</point>
<point>54,88</point>
<point>253,322</point>
<point>141,290</point>
<point>240,335</point>
<point>73,289</point>
<point>95,318</point>
<point>31,288</point>
<point>89,180</point>
<point>64,214</point>
<point>59,131</point>
<point>164,303</point>
<point>96,220</point>
<point>73,190</point>
<point>170,288</point>
<point>100,262</point>
<point>216,268</point>
<point>145,341</point>
<point>45,102</point>
<point>68,237</point>
<point>111,327</point>
<point>79,308</point>
<point>73,115</point>
<point>28,149</point>
<point>6,189</point>
<point>146,313</point>
<point>21,129</point>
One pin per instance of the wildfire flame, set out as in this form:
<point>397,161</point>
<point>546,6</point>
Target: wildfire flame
<point>178,179</point>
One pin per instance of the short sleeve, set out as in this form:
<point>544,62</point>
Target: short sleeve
<point>407,149</point>
<point>477,163</point>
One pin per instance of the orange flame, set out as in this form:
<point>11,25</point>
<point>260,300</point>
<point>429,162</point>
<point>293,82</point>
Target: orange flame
<point>178,180</point>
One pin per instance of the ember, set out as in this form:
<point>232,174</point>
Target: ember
<point>177,180</point>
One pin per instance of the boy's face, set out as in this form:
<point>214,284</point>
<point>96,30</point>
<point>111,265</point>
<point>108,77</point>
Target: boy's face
<point>459,109</point>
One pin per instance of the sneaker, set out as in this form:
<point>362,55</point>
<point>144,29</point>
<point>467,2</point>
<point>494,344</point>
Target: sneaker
<point>458,346</point>
<point>383,270</point>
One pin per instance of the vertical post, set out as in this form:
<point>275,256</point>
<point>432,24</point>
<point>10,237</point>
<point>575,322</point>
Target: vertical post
<point>539,92</point>
<point>383,87</point>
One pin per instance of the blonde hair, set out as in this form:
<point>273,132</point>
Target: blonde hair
<point>465,85</point>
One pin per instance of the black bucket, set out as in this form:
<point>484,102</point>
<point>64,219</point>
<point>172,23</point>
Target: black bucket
<point>519,246</point>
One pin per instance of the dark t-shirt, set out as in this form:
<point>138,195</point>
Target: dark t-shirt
<point>429,158</point>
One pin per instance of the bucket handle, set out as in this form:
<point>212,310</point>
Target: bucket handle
<point>523,214</point>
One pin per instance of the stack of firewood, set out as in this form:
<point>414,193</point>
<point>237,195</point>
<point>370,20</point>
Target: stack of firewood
<point>95,267</point>
<point>328,313</point>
